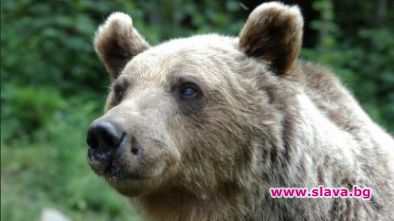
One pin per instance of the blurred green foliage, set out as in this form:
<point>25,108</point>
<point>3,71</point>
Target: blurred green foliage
<point>53,85</point>
<point>361,53</point>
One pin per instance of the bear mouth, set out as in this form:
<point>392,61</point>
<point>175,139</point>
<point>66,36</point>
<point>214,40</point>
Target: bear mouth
<point>114,166</point>
<point>105,165</point>
<point>116,173</point>
<point>132,183</point>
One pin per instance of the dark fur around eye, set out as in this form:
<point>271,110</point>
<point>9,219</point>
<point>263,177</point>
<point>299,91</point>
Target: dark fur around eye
<point>119,89</point>
<point>189,98</point>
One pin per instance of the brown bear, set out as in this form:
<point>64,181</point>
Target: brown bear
<point>201,128</point>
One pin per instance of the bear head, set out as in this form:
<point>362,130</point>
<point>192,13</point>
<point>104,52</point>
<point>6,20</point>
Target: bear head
<point>193,113</point>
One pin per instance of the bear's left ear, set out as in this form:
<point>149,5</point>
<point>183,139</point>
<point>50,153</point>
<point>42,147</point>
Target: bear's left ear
<point>273,32</point>
<point>117,41</point>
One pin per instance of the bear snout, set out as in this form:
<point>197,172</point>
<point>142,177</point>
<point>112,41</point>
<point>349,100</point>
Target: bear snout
<point>103,138</point>
<point>104,135</point>
<point>111,148</point>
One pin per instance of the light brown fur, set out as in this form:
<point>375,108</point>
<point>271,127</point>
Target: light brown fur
<point>265,119</point>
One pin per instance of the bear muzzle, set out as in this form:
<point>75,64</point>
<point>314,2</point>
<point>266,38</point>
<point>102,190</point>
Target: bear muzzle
<point>112,152</point>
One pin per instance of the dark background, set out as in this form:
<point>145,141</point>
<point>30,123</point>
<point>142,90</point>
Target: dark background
<point>53,85</point>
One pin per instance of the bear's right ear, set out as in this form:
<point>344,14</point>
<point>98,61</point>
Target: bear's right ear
<point>273,32</point>
<point>117,41</point>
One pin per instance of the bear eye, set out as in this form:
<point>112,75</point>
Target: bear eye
<point>119,90</point>
<point>189,91</point>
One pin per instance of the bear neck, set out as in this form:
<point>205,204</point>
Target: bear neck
<point>180,205</point>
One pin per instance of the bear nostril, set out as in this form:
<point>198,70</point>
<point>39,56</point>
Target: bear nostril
<point>91,139</point>
<point>135,151</point>
<point>104,135</point>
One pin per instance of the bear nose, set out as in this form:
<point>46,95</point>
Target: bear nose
<point>104,135</point>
